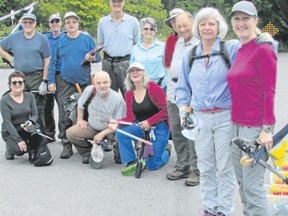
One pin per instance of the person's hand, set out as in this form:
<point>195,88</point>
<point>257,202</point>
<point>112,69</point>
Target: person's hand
<point>43,88</point>
<point>145,125</point>
<point>22,145</point>
<point>112,124</point>
<point>266,139</point>
<point>90,57</point>
<point>82,123</point>
<point>98,137</point>
<point>182,116</point>
<point>52,88</point>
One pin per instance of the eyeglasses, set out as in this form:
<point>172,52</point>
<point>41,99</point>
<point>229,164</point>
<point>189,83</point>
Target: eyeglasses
<point>28,22</point>
<point>20,82</point>
<point>71,22</point>
<point>151,29</point>
<point>117,1</point>
<point>55,21</point>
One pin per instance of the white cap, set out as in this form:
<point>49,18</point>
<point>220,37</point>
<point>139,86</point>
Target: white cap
<point>172,14</point>
<point>136,65</point>
<point>54,16</point>
<point>71,14</point>
<point>245,7</point>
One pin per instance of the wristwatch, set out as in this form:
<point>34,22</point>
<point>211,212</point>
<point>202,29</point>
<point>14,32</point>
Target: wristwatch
<point>267,128</point>
<point>45,80</point>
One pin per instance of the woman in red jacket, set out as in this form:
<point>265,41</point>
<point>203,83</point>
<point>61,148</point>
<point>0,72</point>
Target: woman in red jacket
<point>146,104</point>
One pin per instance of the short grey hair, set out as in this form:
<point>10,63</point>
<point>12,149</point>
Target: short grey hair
<point>206,13</point>
<point>150,21</point>
<point>129,84</point>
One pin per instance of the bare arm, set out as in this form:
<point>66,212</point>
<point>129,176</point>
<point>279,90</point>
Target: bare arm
<point>46,62</point>
<point>5,54</point>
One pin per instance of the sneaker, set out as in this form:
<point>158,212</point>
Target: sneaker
<point>131,168</point>
<point>106,145</point>
<point>192,180</point>
<point>9,155</point>
<point>67,150</point>
<point>207,213</point>
<point>178,174</point>
<point>117,157</point>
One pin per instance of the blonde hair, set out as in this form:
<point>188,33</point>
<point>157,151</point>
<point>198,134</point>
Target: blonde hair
<point>129,84</point>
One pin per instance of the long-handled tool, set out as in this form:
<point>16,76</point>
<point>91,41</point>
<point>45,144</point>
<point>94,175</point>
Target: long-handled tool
<point>33,128</point>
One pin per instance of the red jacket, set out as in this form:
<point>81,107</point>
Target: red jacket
<point>169,49</point>
<point>157,97</point>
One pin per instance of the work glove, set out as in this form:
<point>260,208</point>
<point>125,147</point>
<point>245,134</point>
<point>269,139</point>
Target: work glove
<point>12,63</point>
<point>43,88</point>
<point>182,118</point>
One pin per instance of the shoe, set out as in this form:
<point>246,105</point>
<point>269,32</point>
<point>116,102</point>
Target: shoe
<point>85,159</point>
<point>207,213</point>
<point>67,150</point>
<point>9,155</point>
<point>117,157</point>
<point>178,174</point>
<point>106,145</point>
<point>192,180</point>
<point>220,214</point>
<point>131,168</point>
<point>168,148</point>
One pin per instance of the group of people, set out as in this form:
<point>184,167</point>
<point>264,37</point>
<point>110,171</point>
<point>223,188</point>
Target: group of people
<point>160,83</point>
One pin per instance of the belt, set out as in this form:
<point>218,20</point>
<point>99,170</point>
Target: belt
<point>34,72</point>
<point>216,109</point>
<point>116,58</point>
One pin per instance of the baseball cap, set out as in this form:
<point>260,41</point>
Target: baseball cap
<point>136,65</point>
<point>71,14</point>
<point>245,7</point>
<point>172,14</point>
<point>54,16</point>
<point>29,16</point>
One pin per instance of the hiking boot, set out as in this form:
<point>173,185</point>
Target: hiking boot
<point>192,180</point>
<point>9,155</point>
<point>85,159</point>
<point>67,150</point>
<point>178,174</point>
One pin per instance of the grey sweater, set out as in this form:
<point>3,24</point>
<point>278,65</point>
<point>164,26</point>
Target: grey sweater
<point>14,114</point>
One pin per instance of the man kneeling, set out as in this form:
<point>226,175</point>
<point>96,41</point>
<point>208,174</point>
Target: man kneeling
<point>104,105</point>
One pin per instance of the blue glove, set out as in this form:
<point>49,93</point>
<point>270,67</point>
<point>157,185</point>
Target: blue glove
<point>43,88</point>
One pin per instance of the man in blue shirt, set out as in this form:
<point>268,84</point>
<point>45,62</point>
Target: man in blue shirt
<point>70,50</point>
<point>118,32</point>
<point>53,36</point>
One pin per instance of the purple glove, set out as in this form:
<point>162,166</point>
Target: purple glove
<point>148,151</point>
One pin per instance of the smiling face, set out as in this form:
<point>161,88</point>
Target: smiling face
<point>71,25</point>
<point>208,29</point>
<point>244,26</point>
<point>16,85</point>
<point>28,25</point>
<point>184,26</point>
<point>55,25</point>
<point>148,32</point>
<point>117,5</point>
<point>102,83</point>
<point>136,74</point>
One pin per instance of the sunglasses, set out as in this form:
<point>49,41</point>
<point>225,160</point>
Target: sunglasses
<point>28,22</point>
<point>55,21</point>
<point>20,82</point>
<point>151,29</point>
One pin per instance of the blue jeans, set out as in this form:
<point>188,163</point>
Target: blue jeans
<point>127,152</point>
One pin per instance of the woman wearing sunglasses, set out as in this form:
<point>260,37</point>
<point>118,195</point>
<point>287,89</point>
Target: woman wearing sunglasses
<point>17,107</point>
<point>150,52</point>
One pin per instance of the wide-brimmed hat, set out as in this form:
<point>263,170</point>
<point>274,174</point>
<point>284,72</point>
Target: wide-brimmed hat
<point>245,7</point>
<point>172,14</point>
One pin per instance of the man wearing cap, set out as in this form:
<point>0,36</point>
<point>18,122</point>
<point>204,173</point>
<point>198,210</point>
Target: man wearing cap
<point>104,105</point>
<point>70,50</point>
<point>118,32</point>
<point>172,38</point>
<point>186,163</point>
<point>31,55</point>
<point>53,36</point>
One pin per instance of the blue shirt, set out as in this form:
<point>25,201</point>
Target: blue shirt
<point>152,59</point>
<point>205,88</point>
<point>28,53</point>
<point>52,43</point>
<point>118,37</point>
<point>71,52</point>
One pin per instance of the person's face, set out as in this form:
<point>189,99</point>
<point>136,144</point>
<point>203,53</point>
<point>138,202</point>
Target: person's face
<point>28,25</point>
<point>117,5</point>
<point>244,26</point>
<point>184,27</point>
<point>102,85</point>
<point>16,84</point>
<point>208,29</point>
<point>136,74</point>
<point>148,32</point>
<point>71,25</point>
<point>55,25</point>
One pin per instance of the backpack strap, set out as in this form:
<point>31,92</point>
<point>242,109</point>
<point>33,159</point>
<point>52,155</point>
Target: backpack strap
<point>193,57</point>
<point>91,96</point>
<point>224,54</point>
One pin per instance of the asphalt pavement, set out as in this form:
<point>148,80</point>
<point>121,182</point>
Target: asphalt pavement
<point>68,187</point>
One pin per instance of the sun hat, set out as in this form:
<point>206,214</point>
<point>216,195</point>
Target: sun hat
<point>245,7</point>
<point>54,16</point>
<point>71,14</point>
<point>29,16</point>
<point>172,14</point>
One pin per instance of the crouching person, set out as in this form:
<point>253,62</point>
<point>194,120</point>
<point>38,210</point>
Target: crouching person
<point>146,105</point>
<point>17,107</point>
<point>104,104</point>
